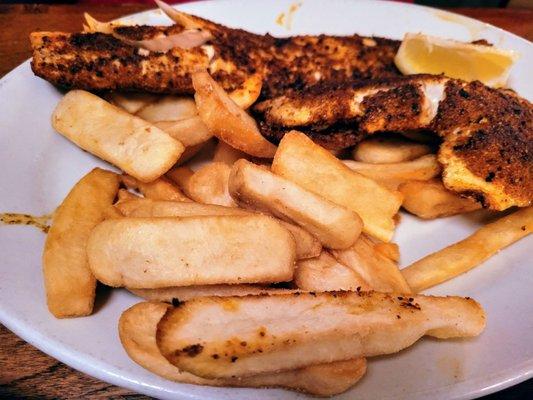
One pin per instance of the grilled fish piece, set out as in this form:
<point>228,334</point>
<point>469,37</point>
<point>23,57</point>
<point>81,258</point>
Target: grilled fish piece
<point>101,61</point>
<point>487,134</point>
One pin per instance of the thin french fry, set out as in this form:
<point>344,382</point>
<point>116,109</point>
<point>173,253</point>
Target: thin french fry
<point>462,256</point>
<point>69,282</point>
<point>137,147</point>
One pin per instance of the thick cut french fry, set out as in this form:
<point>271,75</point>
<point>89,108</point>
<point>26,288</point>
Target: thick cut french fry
<point>124,195</point>
<point>169,108</point>
<point>295,330</point>
<point>160,189</point>
<point>209,185</point>
<point>379,271</point>
<point>137,331</point>
<point>131,102</point>
<point>69,282</point>
<point>137,147</point>
<point>462,256</point>
<point>431,199</point>
<point>385,150</point>
<point>185,293</point>
<point>145,253</point>
<point>180,176</point>
<point>307,246</point>
<point>392,175</point>
<point>226,120</point>
<point>317,170</point>
<point>257,188</point>
<point>389,250</point>
<point>190,132</point>
<point>325,273</point>
<point>226,154</point>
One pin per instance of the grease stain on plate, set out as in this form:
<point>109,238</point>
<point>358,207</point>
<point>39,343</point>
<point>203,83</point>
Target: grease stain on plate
<point>285,19</point>
<point>474,28</point>
<point>41,222</point>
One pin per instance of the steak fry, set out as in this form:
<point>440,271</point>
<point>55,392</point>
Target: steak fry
<point>137,330</point>
<point>243,336</point>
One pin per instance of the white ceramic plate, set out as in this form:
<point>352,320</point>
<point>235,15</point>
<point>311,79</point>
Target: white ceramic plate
<point>39,167</point>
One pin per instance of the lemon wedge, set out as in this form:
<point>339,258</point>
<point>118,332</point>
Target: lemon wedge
<point>423,54</point>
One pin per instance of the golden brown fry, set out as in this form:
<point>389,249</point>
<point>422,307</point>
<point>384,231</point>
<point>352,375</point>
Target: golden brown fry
<point>385,150</point>
<point>209,185</point>
<point>307,246</point>
<point>131,102</point>
<point>462,256</point>
<point>226,120</point>
<point>70,285</point>
<point>325,273</point>
<point>185,293</point>
<point>137,330</point>
<point>190,132</point>
<point>249,91</point>
<point>137,147</point>
<point>391,175</point>
<point>160,189</point>
<point>389,250</point>
<point>124,195</point>
<point>161,252</point>
<point>180,176</point>
<point>317,170</point>
<point>226,154</point>
<point>259,189</point>
<point>431,199</point>
<point>379,271</point>
<point>290,331</point>
<point>169,108</point>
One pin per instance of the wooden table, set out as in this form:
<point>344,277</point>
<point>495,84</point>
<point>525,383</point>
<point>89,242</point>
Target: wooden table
<point>25,372</point>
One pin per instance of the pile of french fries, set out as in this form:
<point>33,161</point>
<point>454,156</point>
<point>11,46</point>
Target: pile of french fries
<point>267,266</point>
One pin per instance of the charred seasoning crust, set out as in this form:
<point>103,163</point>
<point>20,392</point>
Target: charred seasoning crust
<point>495,138</point>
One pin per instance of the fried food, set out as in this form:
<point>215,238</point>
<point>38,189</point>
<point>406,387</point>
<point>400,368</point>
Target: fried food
<point>232,56</point>
<point>137,332</point>
<point>470,252</point>
<point>226,120</point>
<point>388,149</point>
<point>378,270</point>
<point>307,246</point>
<point>331,179</point>
<point>259,189</point>
<point>160,252</point>
<point>297,330</point>
<point>430,199</point>
<point>226,154</point>
<point>135,146</point>
<point>169,108</point>
<point>325,273</point>
<point>178,294</point>
<point>160,189</point>
<point>190,132</point>
<point>131,102</point>
<point>487,134</point>
<point>393,174</point>
<point>209,185</point>
<point>69,283</point>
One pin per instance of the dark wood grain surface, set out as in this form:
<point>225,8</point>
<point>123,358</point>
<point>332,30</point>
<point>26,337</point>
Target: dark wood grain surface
<point>26,372</point>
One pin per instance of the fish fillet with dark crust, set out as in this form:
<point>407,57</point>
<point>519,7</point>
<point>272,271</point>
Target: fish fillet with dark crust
<point>487,134</point>
<point>101,61</point>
